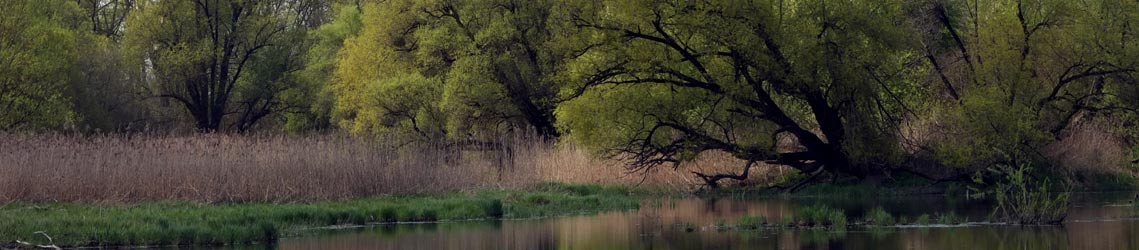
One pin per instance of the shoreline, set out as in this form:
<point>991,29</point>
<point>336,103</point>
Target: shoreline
<point>194,224</point>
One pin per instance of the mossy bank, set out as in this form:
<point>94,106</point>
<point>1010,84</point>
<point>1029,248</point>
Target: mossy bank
<point>166,224</point>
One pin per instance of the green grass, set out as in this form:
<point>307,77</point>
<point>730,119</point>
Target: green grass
<point>787,220</point>
<point>922,220</point>
<point>1022,198</point>
<point>879,217</point>
<point>177,223</point>
<point>821,216</point>
<point>751,222</point>
<point>950,218</point>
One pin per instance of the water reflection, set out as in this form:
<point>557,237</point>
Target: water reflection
<point>1099,221</point>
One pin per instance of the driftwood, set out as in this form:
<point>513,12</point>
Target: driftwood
<point>19,243</point>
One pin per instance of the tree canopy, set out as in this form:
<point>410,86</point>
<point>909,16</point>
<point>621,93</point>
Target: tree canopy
<point>447,70</point>
<point>671,80</point>
<point>37,43</point>
<point>856,88</point>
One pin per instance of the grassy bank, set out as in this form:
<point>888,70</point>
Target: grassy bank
<point>85,224</point>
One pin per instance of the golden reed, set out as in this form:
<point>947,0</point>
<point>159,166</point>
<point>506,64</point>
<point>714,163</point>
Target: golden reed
<point>230,168</point>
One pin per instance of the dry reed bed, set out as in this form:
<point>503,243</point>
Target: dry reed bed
<point>1089,147</point>
<point>214,168</point>
<point>225,168</point>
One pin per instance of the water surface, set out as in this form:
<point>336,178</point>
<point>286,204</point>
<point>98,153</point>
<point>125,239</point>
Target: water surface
<point>1096,221</point>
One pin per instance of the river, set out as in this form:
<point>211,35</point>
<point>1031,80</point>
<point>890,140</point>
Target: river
<point>1095,221</point>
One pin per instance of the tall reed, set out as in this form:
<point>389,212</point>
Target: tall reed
<point>228,168</point>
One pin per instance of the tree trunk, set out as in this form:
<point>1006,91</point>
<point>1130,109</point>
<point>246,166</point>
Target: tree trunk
<point>521,96</point>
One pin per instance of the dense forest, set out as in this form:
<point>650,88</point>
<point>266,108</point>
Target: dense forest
<point>853,88</point>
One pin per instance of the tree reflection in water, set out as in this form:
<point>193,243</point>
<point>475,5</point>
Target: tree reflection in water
<point>1097,221</point>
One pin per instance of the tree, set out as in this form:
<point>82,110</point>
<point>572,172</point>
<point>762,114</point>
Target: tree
<point>320,64</point>
<point>199,51</point>
<point>102,83</point>
<point>445,70</point>
<point>659,82</point>
<point>37,43</point>
<point>106,17</point>
<point>1023,72</point>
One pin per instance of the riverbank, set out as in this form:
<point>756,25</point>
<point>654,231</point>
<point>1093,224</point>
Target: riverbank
<point>1098,221</point>
<point>103,224</point>
<point>898,186</point>
<point>181,223</point>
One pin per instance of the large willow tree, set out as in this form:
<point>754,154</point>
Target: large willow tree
<point>449,70</point>
<point>816,85</point>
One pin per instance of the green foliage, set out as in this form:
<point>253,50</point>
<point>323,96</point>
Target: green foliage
<point>1052,68</point>
<point>665,82</point>
<point>992,131</point>
<point>320,65</point>
<point>440,70</point>
<point>859,86</point>
<point>227,73</point>
<point>37,48</point>
<point>102,89</point>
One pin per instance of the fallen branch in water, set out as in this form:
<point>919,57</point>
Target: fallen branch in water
<point>50,245</point>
